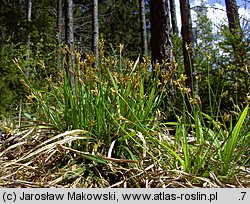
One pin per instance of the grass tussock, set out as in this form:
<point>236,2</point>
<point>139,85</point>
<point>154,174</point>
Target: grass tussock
<point>112,129</point>
<point>50,162</point>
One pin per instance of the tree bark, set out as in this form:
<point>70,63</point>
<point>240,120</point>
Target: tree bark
<point>69,40</point>
<point>59,32</point>
<point>188,46</point>
<point>95,27</point>
<point>144,43</point>
<point>28,9</point>
<point>173,16</point>
<point>235,29</point>
<point>239,46</point>
<point>161,42</point>
<point>28,18</point>
<point>232,15</point>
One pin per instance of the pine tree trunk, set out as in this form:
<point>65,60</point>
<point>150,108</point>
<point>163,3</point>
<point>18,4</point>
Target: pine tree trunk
<point>188,46</point>
<point>173,16</point>
<point>28,18</point>
<point>235,28</point>
<point>69,40</point>
<point>161,42</point>
<point>144,44</point>
<point>59,32</point>
<point>232,15</point>
<point>238,44</point>
<point>95,27</point>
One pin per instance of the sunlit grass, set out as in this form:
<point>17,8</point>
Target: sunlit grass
<point>113,119</point>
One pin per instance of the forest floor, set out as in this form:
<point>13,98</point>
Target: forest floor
<point>30,157</point>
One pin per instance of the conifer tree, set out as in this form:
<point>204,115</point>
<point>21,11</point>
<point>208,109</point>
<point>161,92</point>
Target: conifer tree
<point>188,46</point>
<point>95,27</point>
<point>69,39</point>
<point>144,42</point>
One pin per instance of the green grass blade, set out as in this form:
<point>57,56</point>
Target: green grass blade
<point>232,142</point>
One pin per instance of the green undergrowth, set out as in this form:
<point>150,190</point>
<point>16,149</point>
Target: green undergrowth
<point>111,130</point>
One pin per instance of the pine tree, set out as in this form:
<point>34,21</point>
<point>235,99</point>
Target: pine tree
<point>161,42</point>
<point>232,15</point>
<point>188,46</point>
<point>144,42</point>
<point>95,27</point>
<point>204,38</point>
<point>69,40</point>
<point>59,31</point>
<point>28,17</point>
<point>173,16</point>
<point>120,24</point>
<point>235,29</point>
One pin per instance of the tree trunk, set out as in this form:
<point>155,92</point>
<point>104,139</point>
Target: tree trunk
<point>188,46</point>
<point>28,18</point>
<point>235,29</point>
<point>173,16</point>
<point>232,15</point>
<point>69,40</point>
<point>28,9</point>
<point>161,43</point>
<point>59,32</point>
<point>144,43</point>
<point>239,46</point>
<point>95,27</point>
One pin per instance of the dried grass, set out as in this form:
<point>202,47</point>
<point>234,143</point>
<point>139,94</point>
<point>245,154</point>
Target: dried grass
<point>38,157</point>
